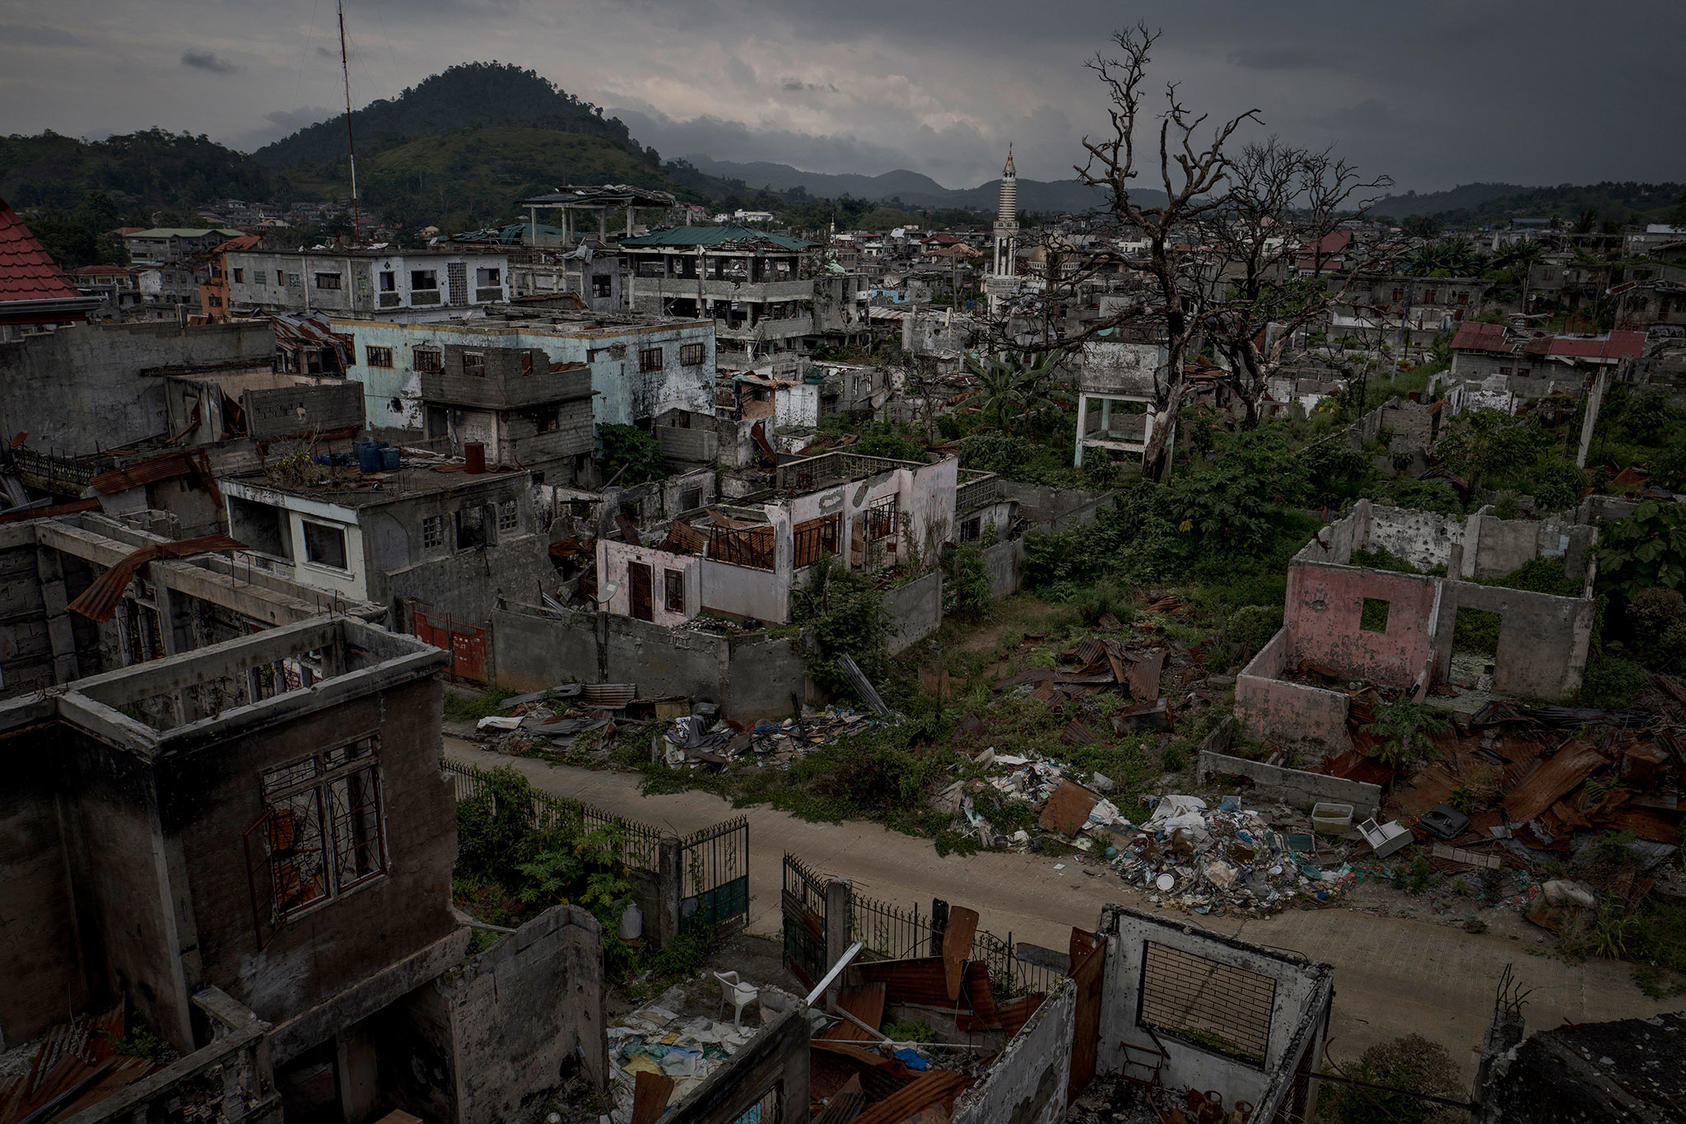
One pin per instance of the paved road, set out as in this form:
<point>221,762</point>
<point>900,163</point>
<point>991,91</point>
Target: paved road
<point>1393,975</point>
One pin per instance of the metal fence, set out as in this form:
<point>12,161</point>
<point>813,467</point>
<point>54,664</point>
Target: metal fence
<point>714,877</point>
<point>896,933</point>
<point>639,844</point>
<point>802,904</point>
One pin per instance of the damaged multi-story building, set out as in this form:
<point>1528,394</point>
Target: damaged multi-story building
<point>411,284</point>
<point>1431,617</point>
<point>640,367</point>
<point>185,837</point>
<point>754,284</point>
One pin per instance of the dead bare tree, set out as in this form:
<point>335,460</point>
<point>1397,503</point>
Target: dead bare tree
<point>1190,174</point>
<point>1277,261</point>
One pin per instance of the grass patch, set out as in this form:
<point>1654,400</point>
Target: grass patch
<point>472,708</point>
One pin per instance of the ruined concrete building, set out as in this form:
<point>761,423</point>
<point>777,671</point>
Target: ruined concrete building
<point>1406,600</point>
<point>519,406</point>
<point>186,837</point>
<point>743,560</point>
<point>433,533</point>
<point>415,284</point>
<point>640,366</point>
<point>87,594</point>
<point>751,283</point>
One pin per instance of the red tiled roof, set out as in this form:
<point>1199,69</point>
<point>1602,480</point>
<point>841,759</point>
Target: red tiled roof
<point>27,272</point>
<point>1616,345</point>
<point>1474,336</point>
<point>100,270</point>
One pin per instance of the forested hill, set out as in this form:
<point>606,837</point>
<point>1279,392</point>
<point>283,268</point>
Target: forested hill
<point>135,173</point>
<point>467,96</point>
<point>1487,204</point>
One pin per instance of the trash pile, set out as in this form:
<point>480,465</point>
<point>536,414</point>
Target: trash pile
<point>1222,860</point>
<point>657,1039</point>
<point>702,738</point>
<point>560,718</point>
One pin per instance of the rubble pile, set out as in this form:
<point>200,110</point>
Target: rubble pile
<point>1102,664</point>
<point>554,720</point>
<point>701,738</point>
<point>657,1039</point>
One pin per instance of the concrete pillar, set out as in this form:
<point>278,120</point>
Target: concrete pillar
<point>1106,415</point>
<point>839,914</point>
<point>670,889</point>
<point>1082,420</point>
<point>1594,403</point>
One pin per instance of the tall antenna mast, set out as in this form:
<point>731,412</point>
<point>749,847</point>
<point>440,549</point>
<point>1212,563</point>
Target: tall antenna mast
<point>350,145</point>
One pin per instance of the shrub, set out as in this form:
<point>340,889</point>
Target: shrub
<point>1406,730</point>
<point>841,614</point>
<point>1611,682</point>
<point>1411,1065</point>
<point>1657,622</point>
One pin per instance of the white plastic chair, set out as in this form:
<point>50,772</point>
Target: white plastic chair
<point>737,993</point>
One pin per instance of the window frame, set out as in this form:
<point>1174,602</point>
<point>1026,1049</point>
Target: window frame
<point>646,364</point>
<point>431,274</point>
<point>345,548</point>
<point>376,356</point>
<point>433,532</point>
<point>322,772</point>
<point>673,583</point>
<point>337,282</point>
<point>435,363</point>
<point>474,364</point>
<point>692,354</point>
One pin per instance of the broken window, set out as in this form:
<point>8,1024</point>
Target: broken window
<point>239,276</point>
<point>424,280</point>
<point>509,517</point>
<point>879,519</point>
<point>1475,644</point>
<point>293,281</point>
<point>674,583</point>
<point>1373,616</point>
<point>485,277</point>
<point>473,363</point>
<point>471,528</point>
<point>327,281</point>
<point>690,354</point>
<point>378,356</point>
<point>816,538</point>
<point>324,545</point>
<point>427,359</point>
<point>650,359</point>
<point>388,281</point>
<point>1211,1005</point>
<point>323,825</point>
<point>601,285</point>
<point>433,532</point>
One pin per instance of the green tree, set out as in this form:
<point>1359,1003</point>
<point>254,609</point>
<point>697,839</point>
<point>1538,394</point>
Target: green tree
<point>1643,551</point>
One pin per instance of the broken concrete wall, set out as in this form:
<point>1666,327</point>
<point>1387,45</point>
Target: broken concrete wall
<point>41,981</point>
<point>1005,564</point>
<point>1496,547</point>
<point>1026,1084</point>
<point>1057,509</point>
<point>1231,1016</point>
<point>616,562</point>
<point>1327,625</point>
<point>915,610</point>
<point>741,591</point>
<point>751,676</point>
<point>1273,709</point>
<point>1297,787</point>
<point>26,646</point>
<point>520,1010</point>
<point>80,389</point>
<point>210,800</point>
<point>766,1080</point>
<point>1543,640</point>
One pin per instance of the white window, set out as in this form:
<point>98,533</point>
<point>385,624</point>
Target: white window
<point>433,532</point>
<point>509,517</point>
<point>324,545</point>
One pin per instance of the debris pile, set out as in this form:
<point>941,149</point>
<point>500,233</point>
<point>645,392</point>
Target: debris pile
<point>657,1040</point>
<point>1101,664</point>
<point>701,738</point>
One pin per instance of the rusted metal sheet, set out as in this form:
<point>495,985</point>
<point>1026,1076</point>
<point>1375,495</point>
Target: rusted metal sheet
<point>957,946</point>
<point>191,463</point>
<point>865,1003</point>
<point>1555,779</point>
<point>1088,961</point>
<point>100,600</point>
<point>1143,675</point>
<point>937,1087</point>
<point>1068,808</point>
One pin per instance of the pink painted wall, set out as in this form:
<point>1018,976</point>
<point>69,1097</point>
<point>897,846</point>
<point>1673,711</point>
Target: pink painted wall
<point>1325,605</point>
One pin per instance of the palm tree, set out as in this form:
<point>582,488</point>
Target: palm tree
<point>1013,388</point>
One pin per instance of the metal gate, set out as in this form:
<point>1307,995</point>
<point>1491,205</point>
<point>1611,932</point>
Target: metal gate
<point>465,642</point>
<point>714,877</point>
<point>802,904</point>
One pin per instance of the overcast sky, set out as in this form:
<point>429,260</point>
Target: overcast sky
<point>1434,94</point>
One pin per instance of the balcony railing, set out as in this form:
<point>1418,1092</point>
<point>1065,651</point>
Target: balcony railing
<point>977,489</point>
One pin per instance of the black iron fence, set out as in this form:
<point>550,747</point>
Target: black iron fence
<point>714,874</point>
<point>803,906</point>
<point>639,844</point>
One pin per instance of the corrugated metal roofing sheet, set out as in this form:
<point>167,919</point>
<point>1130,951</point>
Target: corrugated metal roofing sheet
<point>694,236</point>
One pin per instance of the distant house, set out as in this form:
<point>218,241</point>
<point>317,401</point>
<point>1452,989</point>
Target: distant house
<point>1494,367</point>
<point>393,284</point>
<point>749,282</point>
<point>34,293</point>
<point>174,245</point>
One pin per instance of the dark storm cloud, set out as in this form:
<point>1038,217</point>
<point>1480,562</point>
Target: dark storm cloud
<point>205,60</point>
<point>1529,91</point>
<point>34,36</point>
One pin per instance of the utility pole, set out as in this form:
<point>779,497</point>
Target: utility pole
<point>350,147</point>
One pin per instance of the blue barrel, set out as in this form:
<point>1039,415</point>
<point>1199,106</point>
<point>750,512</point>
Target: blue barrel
<point>389,459</point>
<point>368,456</point>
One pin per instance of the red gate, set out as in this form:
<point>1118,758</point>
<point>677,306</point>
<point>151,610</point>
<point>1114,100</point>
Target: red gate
<point>465,642</point>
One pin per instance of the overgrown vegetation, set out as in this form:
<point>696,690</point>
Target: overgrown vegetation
<point>630,455</point>
<point>471,708</point>
<point>1409,1068</point>
<point>841,614</point>
<point>1406,731</point>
